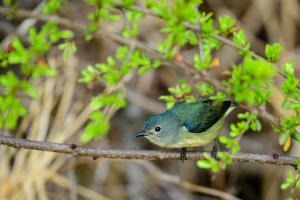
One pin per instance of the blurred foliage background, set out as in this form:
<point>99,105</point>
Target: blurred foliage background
<point>90,72</point>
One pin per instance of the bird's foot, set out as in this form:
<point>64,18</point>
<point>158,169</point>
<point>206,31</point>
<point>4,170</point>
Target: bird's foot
<point>183,154</point>
<point>214,151</point>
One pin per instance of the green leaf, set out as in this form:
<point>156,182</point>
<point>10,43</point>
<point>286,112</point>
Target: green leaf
<point>108,100</point>
<point>225,23</point>
<point>296,136</point>
<point>156,63</point>
<point>3,58</point>
<point>11,109</point>
<point>96,128</point>
<point>272,51</point>
<point>68,48</point>
<point>203,63</point>
<point>170,101</point>
<point>205,89</point>
<point>43,70</point>
<point>297,164</point>
<point>240,38</point>
<point>234,131</point>
<point>212,164</point>
<point>191,37</point>
<point>181,90</point>
<point>223,139</point>
<point>29,89</point>
<point>9,2</point>
<point>111,61</point>
<point>254,74</point>
<point>122,52</point>
<point>230,143</point>
<point>52,6</point>
<point>207,26</point>
<point>112,77</point>
<point>220,96</point>
<point>66,34</point>
<point>128,3</point>
<point>225,157</point>
<point>132,29</point>
<point>258,125</point>
<point>235,147</point>
<point>104,13</point>
<point>297,185</point>
<point>19,55</point>
<point>88,74</point>
<point>244,115</point>
<point>283,137</point>
<point>288,68</point>
<point>10,82</point>
<point>285,185</point>
<point>205,164</point>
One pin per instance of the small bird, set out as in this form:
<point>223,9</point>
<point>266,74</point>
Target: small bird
<point>186,125</point>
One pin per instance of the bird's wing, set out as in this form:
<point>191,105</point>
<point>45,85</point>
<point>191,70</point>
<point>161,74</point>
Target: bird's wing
<point>205,114</point>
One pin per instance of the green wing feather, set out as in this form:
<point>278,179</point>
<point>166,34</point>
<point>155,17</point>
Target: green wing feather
<point>199,116</point>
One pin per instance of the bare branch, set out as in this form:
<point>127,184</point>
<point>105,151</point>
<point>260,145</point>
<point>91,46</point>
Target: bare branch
<point>137,154</point>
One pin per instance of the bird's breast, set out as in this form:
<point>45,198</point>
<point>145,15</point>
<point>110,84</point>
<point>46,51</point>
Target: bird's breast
<point>184,138</point>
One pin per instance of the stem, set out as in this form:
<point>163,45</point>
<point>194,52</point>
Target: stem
<point>137,154</point>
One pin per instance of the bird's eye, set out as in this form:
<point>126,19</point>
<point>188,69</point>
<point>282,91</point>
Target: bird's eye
<point>157,129</point>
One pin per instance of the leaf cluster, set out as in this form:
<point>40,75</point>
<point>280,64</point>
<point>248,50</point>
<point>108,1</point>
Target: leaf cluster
<point>288,125</point>
<point>115,68</point>
<point>99,123</point>
<point>213,164</point>
<point>22,64</point>
<point>292,181</point>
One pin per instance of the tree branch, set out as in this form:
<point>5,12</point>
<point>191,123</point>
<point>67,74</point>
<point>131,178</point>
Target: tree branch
<point>137,154</point>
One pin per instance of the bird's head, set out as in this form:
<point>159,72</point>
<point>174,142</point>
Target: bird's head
<point>160,129</point>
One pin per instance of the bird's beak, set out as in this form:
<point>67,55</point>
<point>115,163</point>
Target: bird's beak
<point>142,133</point>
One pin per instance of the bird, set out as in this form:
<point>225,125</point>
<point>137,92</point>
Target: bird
<point>188,124</point>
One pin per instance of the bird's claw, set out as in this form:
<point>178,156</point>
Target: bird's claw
<point>183,154</point>
<point>214,151</point>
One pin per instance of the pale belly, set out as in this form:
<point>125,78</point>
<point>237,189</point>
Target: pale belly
<point>187,139</point>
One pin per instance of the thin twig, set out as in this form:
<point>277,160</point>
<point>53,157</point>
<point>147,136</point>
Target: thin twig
<point>183,183</point>
<point>82,190</point>
<point>24,26</point>
<point>136,154</point>
<point>200,45</point>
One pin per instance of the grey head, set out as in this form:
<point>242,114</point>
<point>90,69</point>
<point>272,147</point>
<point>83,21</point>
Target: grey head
<point>160,129</point>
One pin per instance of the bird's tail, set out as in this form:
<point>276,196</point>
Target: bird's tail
<point>231,104</point>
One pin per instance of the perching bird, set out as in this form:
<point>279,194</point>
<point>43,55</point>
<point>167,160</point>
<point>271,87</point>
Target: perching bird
<point>188,125</point>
